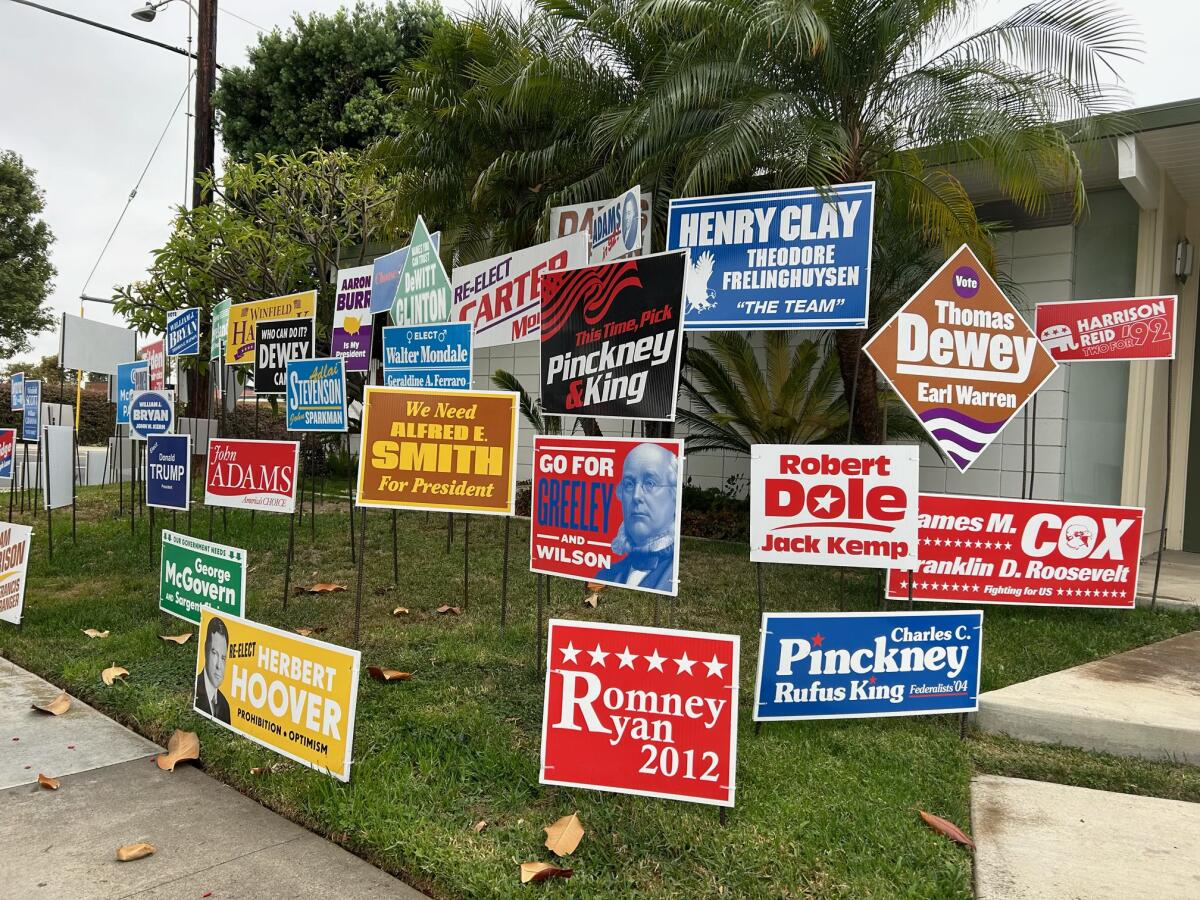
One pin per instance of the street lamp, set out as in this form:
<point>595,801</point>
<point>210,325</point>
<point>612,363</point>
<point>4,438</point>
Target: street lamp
<point>150,10</point>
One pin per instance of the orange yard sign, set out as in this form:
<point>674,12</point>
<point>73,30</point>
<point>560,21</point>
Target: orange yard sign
<point>448,450</point>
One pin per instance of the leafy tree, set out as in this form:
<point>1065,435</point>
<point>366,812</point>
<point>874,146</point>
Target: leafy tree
<point>321,85</point>
<point>25,269</point>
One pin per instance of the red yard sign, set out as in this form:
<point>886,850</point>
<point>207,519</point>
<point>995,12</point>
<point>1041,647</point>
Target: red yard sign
<point>649,711</point>
<point>1023,552</point>
<point>247,474</point>
<point>1108,330</point>
<point>155,354</point>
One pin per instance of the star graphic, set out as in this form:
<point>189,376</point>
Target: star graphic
<point>597,656</point>
<point>714,667</point>
<point>825,501</point>
<point>817,639</point>
<point>626,658</point>
<point>872,679</point>
<point>655,661</point>
<point>685,664</point>
<point>569,653</point>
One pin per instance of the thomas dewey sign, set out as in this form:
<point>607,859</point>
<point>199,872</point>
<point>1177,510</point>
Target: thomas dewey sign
<point>15,541</point>
<point>795,258</point>
<point>648,711</point>
<point>276,343</point>
<point>289,693</point>
<point>194,574</point>
<point>961,358</point>
<point>607,509</point>
<point>246,474</point>
<point>1025,552</point>
<point>859,665</point>
<point>834,506</point>
<point>445,450</point>
<point>1109,330</point>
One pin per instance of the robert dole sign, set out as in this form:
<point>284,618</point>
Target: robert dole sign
<point>169,471</point>
<point>611,338</point>
<point>860,665</point>
<point>1109,330</point>
<point>195,574</point>
<point>961,358</point>
<point>316,395</point>
<point>648,711</point>
<point>239,340</point>
<point>289,693</point>
<point>502,296</point>
<point>447,450</point>
<point>607,509</point>
<point>15,541</point>
<point>246,474</point>
<point>834,506</point>
<point>796,258</point>
<point>427,356</point>
<point>351,338</point>
<point>1030,552</point>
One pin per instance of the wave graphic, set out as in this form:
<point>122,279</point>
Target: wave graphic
<point>968,435</point>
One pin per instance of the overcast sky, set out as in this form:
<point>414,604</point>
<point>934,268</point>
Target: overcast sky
<point>85,108</point>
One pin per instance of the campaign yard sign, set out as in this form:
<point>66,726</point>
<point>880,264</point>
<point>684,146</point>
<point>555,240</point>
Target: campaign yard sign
<point>183,332</point>
<point>16,392</point>
<point>427,356</point>
<point>151,413</point>
<point>239,339</point>
<point>55,453</point>
<point>219,329</point>
<point>834,506</point>
<point>285,692</point>
<point>15,542</point>
<point>126,384</point>
<point>8,450</point>
<point>961,358</point>
<point>502,296</point>
<point>351,337</point>
<point>385,275</point>
<point>1108,330</point>
<point>445,450</point>
<point>793,258</point>
<point>577,219</point>
<point>154,353</point>
<point>635,710</point>
<point>275,344</point>
<point>616,230</point>
<point>316,395</point>
<point>249,474</point>
<point>169,471</point>
<point>423,293</point>
<point>1023,552</point>
<point>611,337</point>
<point>607,510</point>
<point>863,665</point>
<point>194,574</point>
<point>31,418</point>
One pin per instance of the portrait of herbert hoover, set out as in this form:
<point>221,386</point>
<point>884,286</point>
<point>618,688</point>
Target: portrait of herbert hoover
<point>209,698</point>
<point>646,539</point>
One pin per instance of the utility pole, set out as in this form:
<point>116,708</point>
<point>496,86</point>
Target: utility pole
<point>206,82</point>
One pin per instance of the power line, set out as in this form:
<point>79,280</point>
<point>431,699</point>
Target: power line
<point>229,12</point>
<point>133,193</point>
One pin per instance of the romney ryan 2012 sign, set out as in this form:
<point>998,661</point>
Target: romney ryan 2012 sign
<point>316,395</point>
<point>248,474</point>
<point>795,258</point>
<point>648,711</point>
<point>1108,330</point>
<point>194,574</point>
<point>834,506</point>
<point>1025,552</point>
<point>860,665</point>
<point>961,358</point>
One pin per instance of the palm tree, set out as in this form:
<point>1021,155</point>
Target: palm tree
<point>531,409</point>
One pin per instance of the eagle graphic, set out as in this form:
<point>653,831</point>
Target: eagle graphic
<point>699,298</point>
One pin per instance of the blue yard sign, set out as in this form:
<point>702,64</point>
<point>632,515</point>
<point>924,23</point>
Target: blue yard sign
<point>168,471</point>
<point>796,258</point>
<point>859,665</point>
<point>427,356</point>
<point>126,376</point>
<point>316,394</point>
<point>31,418</point>
<point>385,276</point>
<point>17,392</point>
<point>183,332</point>
<point>151,413</point>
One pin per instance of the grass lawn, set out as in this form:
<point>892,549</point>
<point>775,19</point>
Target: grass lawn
<point>825,809</point>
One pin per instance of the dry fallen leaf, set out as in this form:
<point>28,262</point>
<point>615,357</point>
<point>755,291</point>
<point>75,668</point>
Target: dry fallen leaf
<point>591,600</point>
<point>540,871</point>
<point>564,835</point>
<point>112,673</point>
<point>479,826</point>
<point>947,829</point>
<point>183,745</point>
<point>267,770</point>
<point>50,784</point>
<point>323,588</point>
<point>400,611</point>
<point>177,638</point>
<point>93,633</point>
<point>131,852</point>
<point>57,706</point>
<point>452,610</point>
<point>305,632</point>
<point>381,674</point>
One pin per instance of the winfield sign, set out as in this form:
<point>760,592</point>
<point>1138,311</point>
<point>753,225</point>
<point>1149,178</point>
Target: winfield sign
<point>961,358</point>
<point>1025,552</point>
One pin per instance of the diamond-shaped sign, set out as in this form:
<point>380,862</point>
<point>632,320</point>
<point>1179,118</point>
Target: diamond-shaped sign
<point>424,293</point>
<point>961,357</point>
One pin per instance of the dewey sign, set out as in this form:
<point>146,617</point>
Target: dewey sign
<point>961,357</point>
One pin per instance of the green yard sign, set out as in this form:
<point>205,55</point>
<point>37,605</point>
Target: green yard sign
<point>424,294</point>
<point>196,573</point>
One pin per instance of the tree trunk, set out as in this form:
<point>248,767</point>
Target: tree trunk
<point>866,426</point>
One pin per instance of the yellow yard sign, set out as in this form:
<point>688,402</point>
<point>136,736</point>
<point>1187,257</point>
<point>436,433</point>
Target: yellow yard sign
<point>239,334</point>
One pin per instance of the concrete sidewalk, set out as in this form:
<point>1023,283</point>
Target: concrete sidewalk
<point>209,838</point>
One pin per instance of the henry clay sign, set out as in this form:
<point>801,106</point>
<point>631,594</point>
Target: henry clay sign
<point>961,357</point>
